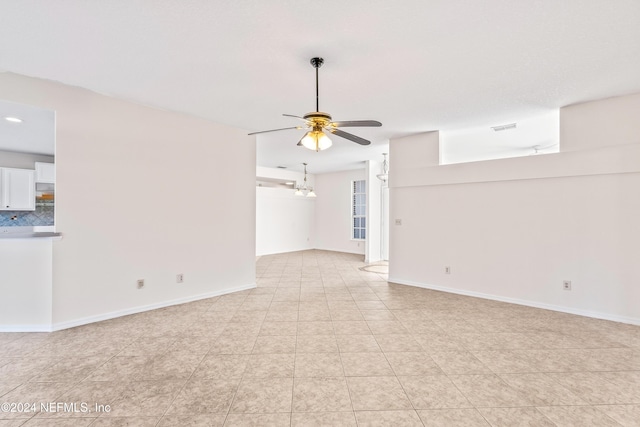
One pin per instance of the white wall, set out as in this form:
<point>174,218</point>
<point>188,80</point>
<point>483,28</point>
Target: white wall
<point>373,246</point>
<point>284,222</point>
<point>25,284</point>
<point>514,229</point>
<point>611,121</point>
<point>333,207</point>
<point>142,193</point>
<point>11,159</point>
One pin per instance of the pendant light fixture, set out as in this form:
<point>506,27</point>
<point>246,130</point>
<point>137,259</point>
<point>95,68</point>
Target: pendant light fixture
<point>384,176</point>
<point>304,190</point>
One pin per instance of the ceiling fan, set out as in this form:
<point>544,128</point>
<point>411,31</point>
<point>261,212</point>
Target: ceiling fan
<point>317,122</point>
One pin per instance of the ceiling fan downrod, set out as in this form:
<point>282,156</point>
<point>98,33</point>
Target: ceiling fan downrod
<point>317,63</point>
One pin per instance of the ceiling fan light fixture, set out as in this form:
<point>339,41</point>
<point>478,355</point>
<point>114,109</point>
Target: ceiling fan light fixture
<point>384,176</point>
<point>316,140</point>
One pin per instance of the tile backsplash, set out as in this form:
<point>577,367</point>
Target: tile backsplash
<point>43,215</point>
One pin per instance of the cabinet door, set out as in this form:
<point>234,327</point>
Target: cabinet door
<point>18,190</point>
<point>45,173</point>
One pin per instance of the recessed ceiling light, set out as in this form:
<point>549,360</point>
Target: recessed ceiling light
<point>13,119</point>
<point>288,183</point>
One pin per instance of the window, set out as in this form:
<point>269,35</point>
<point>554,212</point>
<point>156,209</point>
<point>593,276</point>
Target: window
<point>358,210</point>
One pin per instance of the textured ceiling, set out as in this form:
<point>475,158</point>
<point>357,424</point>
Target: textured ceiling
<point>414,65</point>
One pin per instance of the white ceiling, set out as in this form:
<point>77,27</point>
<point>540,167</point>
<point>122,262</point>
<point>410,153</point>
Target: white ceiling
<point>414,65</point>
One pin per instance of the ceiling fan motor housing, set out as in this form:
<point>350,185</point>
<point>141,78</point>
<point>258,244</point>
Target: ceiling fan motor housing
<point>317,62</point>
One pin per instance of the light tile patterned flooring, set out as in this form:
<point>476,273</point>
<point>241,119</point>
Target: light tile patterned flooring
<point>320,342</point>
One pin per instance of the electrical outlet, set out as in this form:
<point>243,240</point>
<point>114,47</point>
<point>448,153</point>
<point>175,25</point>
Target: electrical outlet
<point>140,283</point>
<point>179,278</point>
<point>447,270</point>
<point>566,285</point>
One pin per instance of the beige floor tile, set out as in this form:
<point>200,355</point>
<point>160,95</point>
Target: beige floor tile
<point>378,314</point>
<point>93,394</point>
<point>377,393</point>
<point>258,420</point>
<point>125,368</point>
<point>365,364</point>
<point>511,417</point>
<point>62,422</point>
<point>204,396</point>
<point>200,420</point>
<point>316,344</point>
<point>433,392</point>
<point>314,315</point>
<point>270,395</point>
<point>388,418</point>
<point>570,416</point>
<point>148,346</point>
<point>627,383</point>
<point>275,344</point>
<point>171,366</point>
<point>370,304</point>
<point>275,315</point>
<point>452,418</point>
<point>318,365</point>
<point>321,395</point>
<point>314,419</point>
<point>626,415</point>
<point>351,327</point>
<point>489,391</point>
<point>412,363</point>
<point>283,353</point>
<point>505,361</point>
<point>592,388</point>
<point>434,342</point>
<point>233,345</point>
<point>70,370</point>
<point>34,393</point>
<point>397,343</point>
<point>315,328</point>
<point>145,399</point>
<point>222,366</point>
<point>381,327</point>
<point>270,366</point>
<point>347,314</point>
<point>542,390</point>
<point>357,344</point>
<point>279,328</point>
<point>336,305</point>
<point>126,422</point>
<point>459,362</point>
<point>424,326</point>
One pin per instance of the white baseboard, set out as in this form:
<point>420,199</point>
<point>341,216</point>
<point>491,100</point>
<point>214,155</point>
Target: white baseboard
<point>26,328</point>
<point>119,313</point>
<point>344,251</point>
<point>140,309</point>
<point>535,304</point>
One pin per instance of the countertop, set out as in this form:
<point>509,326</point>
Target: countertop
<point>32,235</point>
<point>28,233</point>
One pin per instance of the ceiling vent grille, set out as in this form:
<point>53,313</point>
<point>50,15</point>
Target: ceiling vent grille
<point>503,127</point>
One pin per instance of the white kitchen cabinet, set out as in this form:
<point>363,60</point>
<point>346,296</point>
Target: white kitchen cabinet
<point>17,189</point>
<point>45,173</point>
